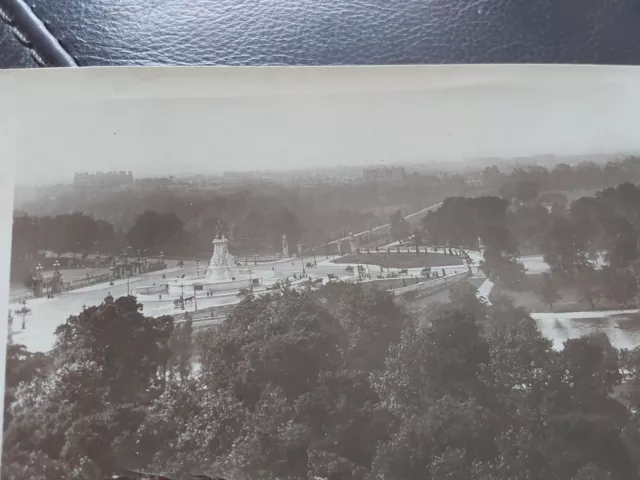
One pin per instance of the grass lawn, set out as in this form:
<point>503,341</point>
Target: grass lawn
<point>531,301</point>
<point>402,260</point>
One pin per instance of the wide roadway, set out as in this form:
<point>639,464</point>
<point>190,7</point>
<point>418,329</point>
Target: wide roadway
<point>47,313</point>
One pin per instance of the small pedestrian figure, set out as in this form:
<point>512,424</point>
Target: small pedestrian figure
<point>160,296</point>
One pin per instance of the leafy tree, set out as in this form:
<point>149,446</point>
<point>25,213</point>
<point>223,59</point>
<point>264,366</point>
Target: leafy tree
<point>522,191</point>
<point>81,233</point>
<point>548,292</point>
<point>155,231</point>
<point>334,383</point>
<point>288,355</point>
<point>418,238</point>
<point>83,414</point>
<point>619,285</point>
<point>130,349</point>
<point>462,221</point>
<point>529,225</point>
<point>565,249</point>
<point>588,284</point>
<point>504,268</point>
<point>181,347</point>
<point>22,367</point>
<point>400,228</point>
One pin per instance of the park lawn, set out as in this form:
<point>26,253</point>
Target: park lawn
<point>531,301</point>
<point>402,259</point>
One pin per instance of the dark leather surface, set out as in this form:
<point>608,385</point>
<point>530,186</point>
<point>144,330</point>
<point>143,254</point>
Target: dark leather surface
<point>328,32</point>
<point>12,53</point>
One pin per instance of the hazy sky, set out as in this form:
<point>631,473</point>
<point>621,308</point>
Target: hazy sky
<point>184,136</point>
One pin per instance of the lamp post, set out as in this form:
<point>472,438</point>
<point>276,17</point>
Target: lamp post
<point>10,329</point>
<point>37,285</point>
<point>197,266</point>
<point>250,281</point>
<point>195,298</point>
<point>24,311</point>
<point>313,250</point>
<point>301,259</point>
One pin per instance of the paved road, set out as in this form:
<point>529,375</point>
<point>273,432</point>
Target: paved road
<point>46,314</point>
<point>411,217</point>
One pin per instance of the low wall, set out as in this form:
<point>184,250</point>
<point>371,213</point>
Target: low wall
<point>154,289</point>
<point>218,311</point>
<point>177,289</point>
<point>391,283</point>
<point>434,283</point>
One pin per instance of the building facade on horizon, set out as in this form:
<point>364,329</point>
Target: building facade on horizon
<point>377,174</point>
<point>103,179</point>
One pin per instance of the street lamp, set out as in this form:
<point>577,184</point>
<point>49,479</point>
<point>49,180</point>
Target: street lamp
<point>301,259</point>
<point>314,256</point>
<point>195,298</point>
<point>24,311</point>
<point>56,265</point>
<point>197,266</point>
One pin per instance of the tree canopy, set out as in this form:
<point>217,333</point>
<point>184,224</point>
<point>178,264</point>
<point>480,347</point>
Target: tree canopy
<point>336,383</point>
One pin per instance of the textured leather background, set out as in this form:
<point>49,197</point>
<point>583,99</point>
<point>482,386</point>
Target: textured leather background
<point>12,53</point>
<point>320,32</point>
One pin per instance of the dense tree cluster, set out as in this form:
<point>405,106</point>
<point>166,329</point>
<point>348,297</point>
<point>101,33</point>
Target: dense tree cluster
<point>592,242</point>
<point>400,227</point>
<point>524,183</point>
<point>72,233</point>
<point>336,384</point>
<point>260,213</point>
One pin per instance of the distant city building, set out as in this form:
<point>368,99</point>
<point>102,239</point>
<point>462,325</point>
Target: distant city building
<point>154,183</point>
<point>383,173</point>
<point>472,181</point>
<point>103,180</point>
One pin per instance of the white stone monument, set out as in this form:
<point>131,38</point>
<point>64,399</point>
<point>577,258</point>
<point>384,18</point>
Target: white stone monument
<point>222,266</point>
<point>285,245</point>
<point>353,243</point>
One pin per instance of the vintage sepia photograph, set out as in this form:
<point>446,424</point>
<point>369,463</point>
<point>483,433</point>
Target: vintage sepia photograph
<point>390,273</point>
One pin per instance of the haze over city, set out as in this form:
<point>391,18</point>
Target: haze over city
<point>170,137</point>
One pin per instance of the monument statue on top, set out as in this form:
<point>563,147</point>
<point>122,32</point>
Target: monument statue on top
<point>222,266</point>
<point>285,245</point>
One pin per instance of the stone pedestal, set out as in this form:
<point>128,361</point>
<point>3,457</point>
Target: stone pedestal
<point>56,282</point>
<point>38,284</point>
<point>222,267</point>
<point>353,243</point>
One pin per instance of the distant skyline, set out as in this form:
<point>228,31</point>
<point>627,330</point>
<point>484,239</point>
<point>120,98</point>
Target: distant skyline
<point>435,166</point>
<point>186,136</point>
